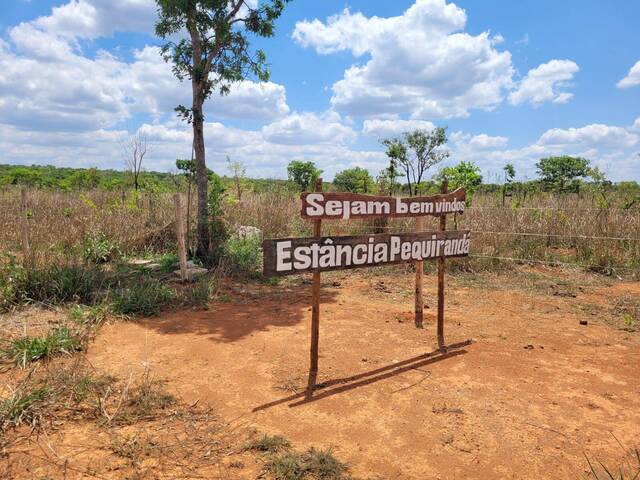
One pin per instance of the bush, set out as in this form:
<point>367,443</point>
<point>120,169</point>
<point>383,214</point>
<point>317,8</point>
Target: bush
<point>169,262</point>
<point>145,299</point>
<point>97,248</point>
<point>243,255</point>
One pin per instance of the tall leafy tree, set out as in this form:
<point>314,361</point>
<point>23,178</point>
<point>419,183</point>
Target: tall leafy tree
<point>303,174</point>
<point>416,152</point>
<point>215,54</point>
<point>354,180</point>
<point>563,174</point>
<point>464,174</point>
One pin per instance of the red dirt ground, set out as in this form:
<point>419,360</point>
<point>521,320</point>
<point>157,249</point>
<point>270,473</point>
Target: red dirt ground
<point>532,393</point>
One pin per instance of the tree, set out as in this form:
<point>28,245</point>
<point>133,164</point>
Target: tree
<point>386,180</point>
<point>563,174</point>
<point>465,174</point>
<point>215,55</point>
<point>354,180</point>
<point>509,176</point>
<point>239,175</point>
<point>134,149</point>
<point>303,174</point>
<point>415,152</point>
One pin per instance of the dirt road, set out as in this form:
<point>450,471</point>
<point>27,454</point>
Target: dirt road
<point>531,394</point>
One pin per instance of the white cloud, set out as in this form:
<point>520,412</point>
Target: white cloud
<point>477,142</point>
<point>591,136</point>
<point>633,77</point>
<point>545,83</point>
<point>99,18</point>
<point>390,128</point>
<point>308,128</point>
<point>420,62</point>
<point>636,125</point>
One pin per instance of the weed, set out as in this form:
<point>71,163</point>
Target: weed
<point>21,406</point>
<point>97,248</point>
<point>88,316</point>
<point>168,262</point>
<point>146,298</point>
<point>243,255</point>
<point>313,464</point>
<point>268,444</point>
<point>30,349</point>
<point>628,470</point>
<point>198,295</point>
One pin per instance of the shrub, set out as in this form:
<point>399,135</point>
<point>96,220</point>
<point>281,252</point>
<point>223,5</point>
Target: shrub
<point>168,262</point>
<point>198,295</point>
<point>243,255</point>
<point>145,299</point>
<point>313,464</point>
<point>97,248</point>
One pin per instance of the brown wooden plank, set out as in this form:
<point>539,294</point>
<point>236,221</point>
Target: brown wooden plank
<point>443,227</point>
<point>315,312</point>
<point>343,206</point>
<point>362,257</point>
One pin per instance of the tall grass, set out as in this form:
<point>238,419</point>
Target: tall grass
<point>572,229</point>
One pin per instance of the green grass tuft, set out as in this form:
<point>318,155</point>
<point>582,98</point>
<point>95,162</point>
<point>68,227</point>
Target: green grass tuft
<point>30,349</point>
<point>145,299</point>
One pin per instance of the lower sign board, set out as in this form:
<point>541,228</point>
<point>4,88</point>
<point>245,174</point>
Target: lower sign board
<point>290,256</point>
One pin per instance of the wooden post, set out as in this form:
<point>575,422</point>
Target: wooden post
<point>24,225</point>
<point>315,311</point>
<point>419,274</point>
<point>443,227</point>
<point>182,253</point>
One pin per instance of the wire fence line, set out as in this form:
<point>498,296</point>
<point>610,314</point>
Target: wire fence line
<point>555,263</point>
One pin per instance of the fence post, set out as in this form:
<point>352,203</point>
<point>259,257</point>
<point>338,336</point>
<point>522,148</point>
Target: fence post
<point>315,311</point>
<point>24,225</point>
<point>182,254</point>
<point>443,226</point>
<point>419,307</point>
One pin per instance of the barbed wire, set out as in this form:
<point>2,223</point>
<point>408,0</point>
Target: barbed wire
<point>554,263</point>
<point>483,232</point>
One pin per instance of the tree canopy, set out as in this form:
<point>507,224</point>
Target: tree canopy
<point>416,152</point>
<point>303,174</point>
<point>563,174</point>
<point>354,180</point>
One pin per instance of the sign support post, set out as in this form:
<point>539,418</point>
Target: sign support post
<point>315,310</point>
<point>419,274</point>
<point>443,226</point>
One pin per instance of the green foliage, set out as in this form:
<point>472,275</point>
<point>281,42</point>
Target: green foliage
<point>563,174</point>
<point>169,262</point>
<point>199,294</point>
<point>303,174</point>
<point>20,407</point>
<point>30,349</point>
<point>465,174</point>
<point>98,248</point>
<point>243,255</point>
<point>416,152</point>
<point>216,54</point>
<point>77,179</point>
<point>146,298</point>
<point>354,180</point>
<point>509,173</point>
<point>51,285</point>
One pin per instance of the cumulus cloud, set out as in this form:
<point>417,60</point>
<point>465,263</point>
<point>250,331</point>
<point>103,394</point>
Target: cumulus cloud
<point>51,88</point>
<point>449,74</point>
<point>545,83</point>
<point>633,77</point>
<point>308,128</point>
<point>479,142</point>
<point>390,128</point>
<point>590,136</point>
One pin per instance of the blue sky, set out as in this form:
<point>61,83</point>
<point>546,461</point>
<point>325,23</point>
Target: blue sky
<point>512,81</point>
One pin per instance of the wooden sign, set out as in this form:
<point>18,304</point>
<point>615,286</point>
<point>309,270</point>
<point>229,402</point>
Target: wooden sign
<point>290,256</point>
<point>345,206</point>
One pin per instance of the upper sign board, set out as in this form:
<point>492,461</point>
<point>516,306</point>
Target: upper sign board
<point>344,206</point>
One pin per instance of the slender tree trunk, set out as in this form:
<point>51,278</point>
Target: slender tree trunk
<point>202,181</point>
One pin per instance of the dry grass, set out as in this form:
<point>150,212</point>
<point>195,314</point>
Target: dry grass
<point>556,229</point>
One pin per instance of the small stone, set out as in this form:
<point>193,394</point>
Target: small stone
<point>529,347</point>
<point>584,322</point>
